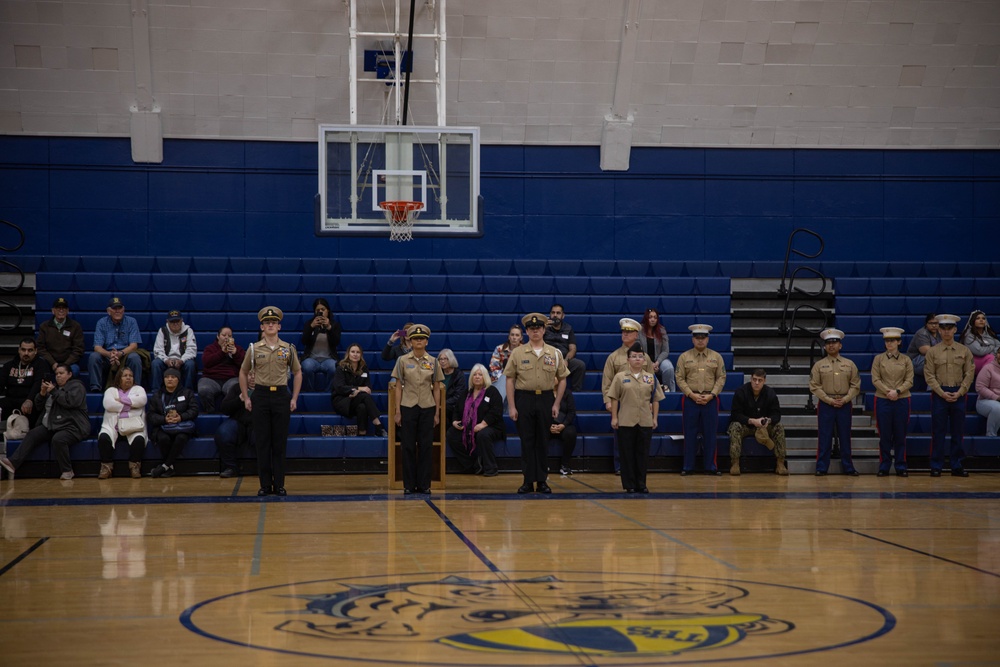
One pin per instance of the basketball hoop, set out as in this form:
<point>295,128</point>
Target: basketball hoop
<point>400,216</point>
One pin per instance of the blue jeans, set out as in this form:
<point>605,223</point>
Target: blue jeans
<point>188,372</point>
<point>317,375</point>
<point>667,375</point>
<point>98,367</point>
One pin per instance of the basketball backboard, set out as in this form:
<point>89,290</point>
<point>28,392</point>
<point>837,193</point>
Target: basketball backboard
<point>362,166</point>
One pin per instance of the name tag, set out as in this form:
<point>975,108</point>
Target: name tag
<point>486,399</point>
<point>626,381</point>
<point>566,336</point>
<point>66,333</point>
<point>180,398</point>
<point>364,375</point>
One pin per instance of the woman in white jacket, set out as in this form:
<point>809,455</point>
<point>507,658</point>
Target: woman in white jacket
<point>124,417</point>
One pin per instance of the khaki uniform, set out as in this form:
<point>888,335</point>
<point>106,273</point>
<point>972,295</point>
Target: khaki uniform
<point>892,372</point>
<point>949,366</point>
<point>833,378</point>
<point>271,366</point>
<point>635,396</point>
<point>535,372</point>
<point>617,362</point>
<point>701,372</point>
<point>418,376</point>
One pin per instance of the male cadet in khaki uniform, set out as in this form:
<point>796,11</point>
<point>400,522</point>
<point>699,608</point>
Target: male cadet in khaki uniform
<point>617,362</point>
<point>533,371</point>
<point>701,375</point>
<point>270,405</point>
<point>418,378</point>
<point>834,381</point>
<point>892,375</point>
<point>949,371</point>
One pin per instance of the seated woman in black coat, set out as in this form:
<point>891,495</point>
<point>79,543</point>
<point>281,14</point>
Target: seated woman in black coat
<point>455,385</point>
<point>352,392</point>
<point>478,426</point>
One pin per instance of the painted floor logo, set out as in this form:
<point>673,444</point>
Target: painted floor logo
<point>482,619</point>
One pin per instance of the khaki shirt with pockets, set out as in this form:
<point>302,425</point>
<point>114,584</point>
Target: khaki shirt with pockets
<point>535,372</point>
<point>271,365</point>
<point>635,396</point>
<point>418,375</point>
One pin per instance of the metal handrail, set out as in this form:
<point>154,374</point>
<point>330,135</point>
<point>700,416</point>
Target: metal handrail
<point>785,366</point>
<point>17,229</point>
<point>791,288</point>
<point>789,250</point>
<point>5,304</point>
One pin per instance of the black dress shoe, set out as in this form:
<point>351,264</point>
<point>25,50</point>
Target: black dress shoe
<point>935,473</point>
<point>525,488</point>
<point>280,491</point>
<point>852,473</point>
<point>544,488</point>
<point>263,492</point>
<point>821,473</point>
<point>902,473</point>
<point>642,490</point>
<point>959,472</point>
<point>881,473</point>
<point>717,473</point>
<point>685,473</point>
<point>407,492</point>
<point>629,490</point>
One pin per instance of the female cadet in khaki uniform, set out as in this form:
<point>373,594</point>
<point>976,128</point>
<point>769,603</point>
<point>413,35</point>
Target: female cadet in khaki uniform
<point>635,404</point>
<point>418,379</point>
<point>270,405</point>
<point>892,375</point>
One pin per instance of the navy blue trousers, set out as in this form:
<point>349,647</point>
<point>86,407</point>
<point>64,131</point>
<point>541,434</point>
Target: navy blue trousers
<point>947,419</point>
<point>892,419</point>
<point>703,419</point>
<point>828,416</point>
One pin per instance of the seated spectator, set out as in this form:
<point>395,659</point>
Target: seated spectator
<point>392,350</point>
<point>60,340</point>
<point>171,414</point>
<point>175,347</point>
<point>980,338</point>
<point>926,337</point>
<point>320,339</point>
<point>455,385</point>
<point>656,344</point>
<point>220,364</point>
<point>477,425</point>
<point>20,380</point>
<point>988,388</point>
<point>352,392</point>
<point>124,417</point>
<point>237,431</point>
<point>564,430</point>
<point>499,360</point>
<point>116,341</point>
<point>62,406</point>
<point>561,336</point>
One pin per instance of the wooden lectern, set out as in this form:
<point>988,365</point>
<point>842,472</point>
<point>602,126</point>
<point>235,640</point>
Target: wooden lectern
<point>395,453</point>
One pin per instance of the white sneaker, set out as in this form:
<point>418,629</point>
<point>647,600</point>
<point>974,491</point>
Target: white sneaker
<point>7,465</point>
<point>66,475</point>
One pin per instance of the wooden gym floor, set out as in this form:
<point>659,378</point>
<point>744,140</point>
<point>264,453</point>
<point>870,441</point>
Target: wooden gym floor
<point>756,570</point>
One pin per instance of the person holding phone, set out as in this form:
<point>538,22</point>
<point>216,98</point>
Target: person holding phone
<point>398,344</point>
<point>221,363</point>
<point>757,412</point>
<point>320,339</point>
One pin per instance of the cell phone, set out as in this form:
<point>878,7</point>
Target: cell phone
<point>401,333</point>
<point>49,377</point>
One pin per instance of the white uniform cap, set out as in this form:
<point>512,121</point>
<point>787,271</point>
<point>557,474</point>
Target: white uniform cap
<point>700,329</point>
<point>628,324</point>
<point>832,334</point>
<point>891,332</point>
<point>948,319</point>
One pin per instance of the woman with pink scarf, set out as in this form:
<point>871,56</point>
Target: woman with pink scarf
<point>471,437</point>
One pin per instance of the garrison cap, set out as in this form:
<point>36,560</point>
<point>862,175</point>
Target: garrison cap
<point>270,313</point>
<point>533,320</point>
<point>636,347</point>
<point>418,331</point>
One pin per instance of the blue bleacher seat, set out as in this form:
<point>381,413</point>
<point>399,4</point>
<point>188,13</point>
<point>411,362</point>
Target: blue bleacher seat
<point>956,286</point>
<point>677,285</point>
<point>491,267</point>
<point>207,302</point>
<point>459,267</point>
<point>166,301</point>
<point>466,303</point>
<point>99,264</point>
<point>463,284</point>
<point>400,303</point>
<point>568,267</point>
<point>208,282</point>
<point>321,266</point>
<point>736,268</point>
<point>210,264</point>
<point>128,264</point>
<point>166,282</point>
<point>430,267</point>
<point>940,269</point>
<point>354,283</point>
<point>640,286</point>
<point>598,285</point>
<point>634,268</point>
<point>245,302</point>
<point>499,284</point>
<point>498,325</point>
<point>712,286</point>
<point>501,303</point>
<point>60,264</point>
<point>608,304</point>
<point>975,270</point>
<point>425,303</point>
<point>284,282</point>
<point>173,265</point>
<point>852,287</point>
<point>712,304</point>
<point>467,322</point>
<point>532,284</point>
<point>595,268</point>
<point>921,286</point>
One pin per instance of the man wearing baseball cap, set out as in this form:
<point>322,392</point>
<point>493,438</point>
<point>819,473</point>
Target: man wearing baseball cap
<point>175,347</point>
<point>116,338</point>
<point>835,382</point>
<point>60,340</point>
<point>949,371</point>
<point>892,375</point>
<point>701,375</point>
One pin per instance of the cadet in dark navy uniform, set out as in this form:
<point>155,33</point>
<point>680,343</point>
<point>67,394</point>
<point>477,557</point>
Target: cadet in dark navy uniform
<point>270,404</point>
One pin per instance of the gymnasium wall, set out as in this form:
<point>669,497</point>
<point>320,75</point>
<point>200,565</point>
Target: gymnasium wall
<point>84,196</point>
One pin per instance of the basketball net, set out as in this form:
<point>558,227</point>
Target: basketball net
<point>400,216</point>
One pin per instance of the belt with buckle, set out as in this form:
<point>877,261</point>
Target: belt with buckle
<point>536,392</point>
<point>276,388</point>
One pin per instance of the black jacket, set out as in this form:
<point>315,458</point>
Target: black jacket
<point>745,407</point>
<point>182,400</point>
<point>490,411</point>
<point>345,380</point>
<point>454,399</point>
<point>309,338</point>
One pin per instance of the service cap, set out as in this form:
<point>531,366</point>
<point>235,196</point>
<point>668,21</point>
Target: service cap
<point>890,333</point>
<point>831,334</point>
<point>534,320</point>
<point>700,329</point>
<point>270,313</point>
<point>628,324</point>
<point>418,331</point>
<point>948,319</point>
